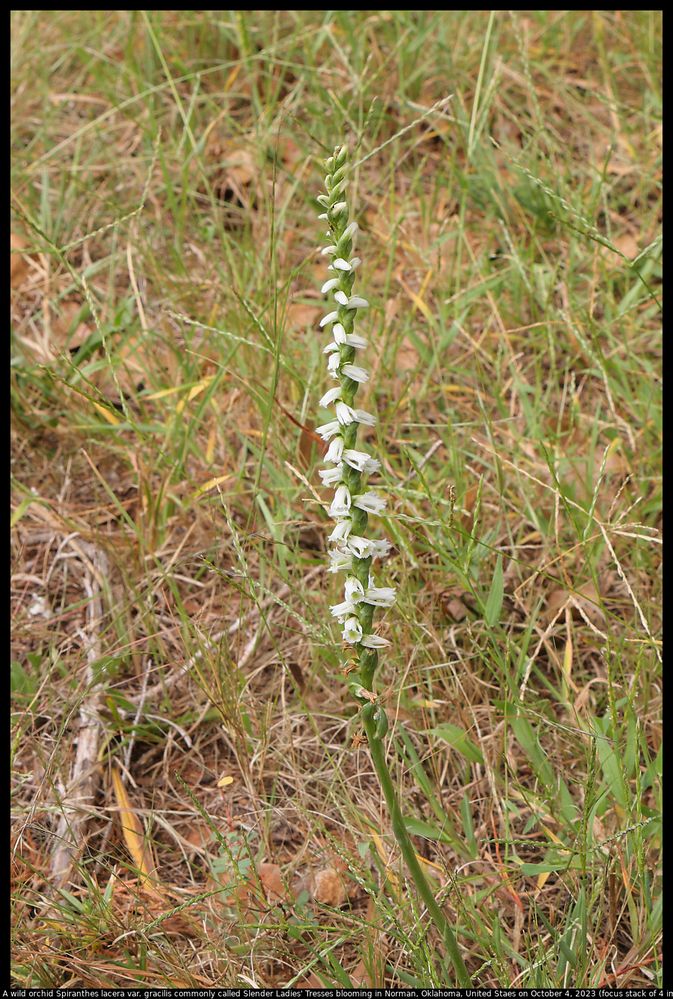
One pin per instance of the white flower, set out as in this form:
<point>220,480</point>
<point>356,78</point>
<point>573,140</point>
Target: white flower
<point>364,548</point>
<point>323,217</point>
<point>355,373</point>
<point>360,547</point>
<point>380,596</point>
<point>362,416</point>
<point>344,414</point>
<point>335,450</point>
<point>353,340</point>
<point>339,561</point>
<point>353,589</point>
<point>380,549</point>
<point>341,530</point>
<point>328,430</point>
<point>343,610</point>
<point>352,632</point>
<point>330,476</point>
<point>338,457</point>
<point>374,642</point>
<point>341,503</point>
<point>369,502</point>
<point>330,396</point>
<point>361,461</point>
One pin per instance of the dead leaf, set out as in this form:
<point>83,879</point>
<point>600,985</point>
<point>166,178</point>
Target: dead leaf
<point>300,316</point>
<point>359,976</point>
<point>587,598</point>
<point>136,842</point>
<point>452,605</point>
<point>235,169</point>
<point>312,982</point>
<point>65,335</point>
<point>18,260</point>
<point>627,244</point>
<point>556,601</point>
<point>290,153</point>
<point>328,887</point>
<point>272,883</point>
<point>240,167</point>
<point>199,835</point>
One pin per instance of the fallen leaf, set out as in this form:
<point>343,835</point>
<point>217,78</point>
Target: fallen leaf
<point>133,833</point>
<point>225,781</point>
<point>451,603</point>
<point>359,976</point>
<point>328,887</point>
<point>199,835</point>
<point>18,260</point>
<point>588,599</point>
<point>269,875</point>
<point>627,244</point>
<point>300,316</point>
<point>312,982</point>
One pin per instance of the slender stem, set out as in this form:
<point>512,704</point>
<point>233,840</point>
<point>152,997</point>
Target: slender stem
<point>408,852</point>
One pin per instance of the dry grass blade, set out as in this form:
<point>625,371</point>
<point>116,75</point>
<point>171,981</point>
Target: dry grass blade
<point>134,835</point>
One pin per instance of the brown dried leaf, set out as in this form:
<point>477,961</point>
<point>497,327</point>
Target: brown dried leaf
<point>585,597</point>
<point>134,835</point>
<point>62,324</point>
<point>588,599</point>
<point>328,887</point>
<point>236,168</point>
<point>199,835</point>
<point>240,167</point>
<point>556,600</point>
<point>18,260</point>
<point>359,976</point>
<point>301,317</point>
<point>312,982</point>
<point>627,244</point>
<point>451,603</point>
<point>272,883</point>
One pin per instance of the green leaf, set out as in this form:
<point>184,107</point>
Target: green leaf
<point>494,601</point>
<point>419,828</point>
<point>460,741</point>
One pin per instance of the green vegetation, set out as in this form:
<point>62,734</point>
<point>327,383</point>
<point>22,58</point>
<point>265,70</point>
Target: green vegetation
<point>193,799</point>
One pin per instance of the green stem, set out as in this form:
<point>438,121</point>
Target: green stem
<point>407,848</point>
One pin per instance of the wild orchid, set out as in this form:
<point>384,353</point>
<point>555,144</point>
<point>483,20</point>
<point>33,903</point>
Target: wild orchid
<point>351,550</point>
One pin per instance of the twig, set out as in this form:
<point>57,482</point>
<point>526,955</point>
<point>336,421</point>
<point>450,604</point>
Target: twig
<point>83,782</point>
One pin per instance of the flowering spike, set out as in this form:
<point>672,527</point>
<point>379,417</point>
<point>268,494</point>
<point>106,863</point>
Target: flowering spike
<point>351,550</point>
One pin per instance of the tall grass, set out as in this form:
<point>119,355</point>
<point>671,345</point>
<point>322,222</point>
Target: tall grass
<point>168,592</point>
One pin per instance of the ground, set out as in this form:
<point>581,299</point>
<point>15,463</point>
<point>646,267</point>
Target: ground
<point>193,802</point>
